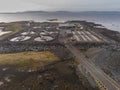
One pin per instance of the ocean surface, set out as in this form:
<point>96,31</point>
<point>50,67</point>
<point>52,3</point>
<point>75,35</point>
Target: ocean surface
<point>110,20</point>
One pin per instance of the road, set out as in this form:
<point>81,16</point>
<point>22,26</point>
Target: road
<point>108,82</point>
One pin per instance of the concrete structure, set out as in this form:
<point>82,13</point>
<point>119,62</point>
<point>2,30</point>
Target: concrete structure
<point>87,36</point>
<point>67,26</point>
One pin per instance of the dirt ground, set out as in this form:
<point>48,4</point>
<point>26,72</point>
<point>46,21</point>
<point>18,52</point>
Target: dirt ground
<point>57,76</point>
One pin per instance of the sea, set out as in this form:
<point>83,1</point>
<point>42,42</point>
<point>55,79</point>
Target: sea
<point>109,19</point>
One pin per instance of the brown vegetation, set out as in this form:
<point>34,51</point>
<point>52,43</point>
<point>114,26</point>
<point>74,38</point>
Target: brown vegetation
<point>25,60</point>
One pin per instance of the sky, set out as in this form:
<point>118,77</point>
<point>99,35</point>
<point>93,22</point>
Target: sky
<point>59,5</point>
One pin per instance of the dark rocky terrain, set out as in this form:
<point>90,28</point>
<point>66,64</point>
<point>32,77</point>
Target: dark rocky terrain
<point>60,75</point>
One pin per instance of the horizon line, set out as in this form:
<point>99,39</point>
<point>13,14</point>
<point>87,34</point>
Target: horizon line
<point>60,11</point>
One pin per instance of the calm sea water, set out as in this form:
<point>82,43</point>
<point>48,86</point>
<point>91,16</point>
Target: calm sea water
<point>110,20</point>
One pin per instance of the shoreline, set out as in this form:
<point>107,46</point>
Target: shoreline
<point>110,26</point>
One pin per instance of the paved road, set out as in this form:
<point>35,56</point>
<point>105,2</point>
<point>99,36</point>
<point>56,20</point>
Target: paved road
<point>109,83</point>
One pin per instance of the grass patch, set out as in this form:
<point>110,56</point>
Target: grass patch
<point>14,27</point>
<point>28,60</point>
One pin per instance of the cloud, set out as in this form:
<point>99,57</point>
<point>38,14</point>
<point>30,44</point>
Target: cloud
<point>69,5</point>
<point>77,5</point>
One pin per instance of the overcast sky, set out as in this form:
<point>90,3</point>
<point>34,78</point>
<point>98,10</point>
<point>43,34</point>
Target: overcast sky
<point>59,5</point>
